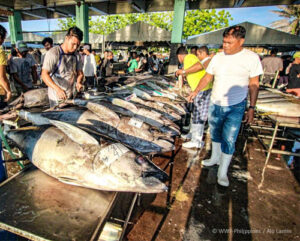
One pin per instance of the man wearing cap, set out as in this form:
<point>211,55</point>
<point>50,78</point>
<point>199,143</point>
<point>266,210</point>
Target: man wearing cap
<point>23,68</point>
<point>89,66</point>
<point>294,76</point>
<point>62,68</point>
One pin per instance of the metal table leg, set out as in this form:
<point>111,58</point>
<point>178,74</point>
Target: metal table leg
<point>268,155</point>
<point>128,215</point>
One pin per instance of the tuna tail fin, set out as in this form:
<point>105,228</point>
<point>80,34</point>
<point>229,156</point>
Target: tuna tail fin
<point>35,118</point>
<point>74,133</point>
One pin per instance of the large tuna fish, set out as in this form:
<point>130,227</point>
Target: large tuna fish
<point>177,107</point>
<point>283,108</point>
<point>72,156</point>
<point>285,119</point>
<point>271,99</point>
<point>165,110</point>
<point>151,117</point>
<point>102,121</point>
<point>268,95</point>
<point>32,98</point>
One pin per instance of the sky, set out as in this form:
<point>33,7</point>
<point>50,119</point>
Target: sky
<point>258,15</point>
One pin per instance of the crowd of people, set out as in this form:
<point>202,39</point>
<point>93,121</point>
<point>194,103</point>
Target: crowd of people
<point>219,82</point>
<point>281,72</point>
<point>27,67</point>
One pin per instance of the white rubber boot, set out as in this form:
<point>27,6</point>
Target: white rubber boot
<point>215,155</point>
<point>197,135</point>
<point>188,136</point>
<point>223,168</point>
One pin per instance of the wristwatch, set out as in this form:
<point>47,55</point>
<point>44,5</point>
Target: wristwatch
<point>251,107</point>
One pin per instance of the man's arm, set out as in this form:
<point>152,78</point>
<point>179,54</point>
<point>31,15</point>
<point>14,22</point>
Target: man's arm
<point>205,65</point>
<point>202,83</point>
<point>193,69</point>
<point>253,92</point>
<point>34,74</point>
<point>280,64</point>
<point>94,66</point>
<point>50,83</point>
<point>79,84</point>
<point>19,81</point>
<point>4,82</point>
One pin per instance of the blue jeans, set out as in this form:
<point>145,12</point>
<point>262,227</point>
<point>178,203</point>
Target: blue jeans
<point>224,123</point>
<point>2,169</point>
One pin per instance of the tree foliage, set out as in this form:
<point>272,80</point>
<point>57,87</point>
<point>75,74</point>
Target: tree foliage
<point>291,19</point>
<point>196,21</point>
<point>201,21</point>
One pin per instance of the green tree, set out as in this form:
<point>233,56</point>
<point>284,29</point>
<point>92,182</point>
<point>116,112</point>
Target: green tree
<point>196,21</point>
<point>66,23</point>
<point>201,21</point>
<point>290,21</point>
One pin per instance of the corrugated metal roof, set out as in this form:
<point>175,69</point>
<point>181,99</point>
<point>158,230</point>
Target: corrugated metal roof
<point>256,35</point>
<point>37,9</point>
<point>139,31</point>
<point>93,38</point>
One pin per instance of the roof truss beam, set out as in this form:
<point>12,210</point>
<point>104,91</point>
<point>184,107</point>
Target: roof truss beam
<point>97,10</point>
<point>238,3</point>
<point>32,14</point>
<point>138,5</point>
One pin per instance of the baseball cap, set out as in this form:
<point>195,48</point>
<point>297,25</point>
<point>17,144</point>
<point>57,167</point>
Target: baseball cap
<point>296,55</point>
<point>86,47</point>
<point>22,46</point>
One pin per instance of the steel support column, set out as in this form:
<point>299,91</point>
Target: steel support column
<point>178,20</point>
<point>176,39</point>
<point>15,27</point>
<point>82,19</point>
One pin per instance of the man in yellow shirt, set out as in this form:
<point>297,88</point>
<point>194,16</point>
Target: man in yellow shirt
<point>194,71</point>
<point>3,63</point>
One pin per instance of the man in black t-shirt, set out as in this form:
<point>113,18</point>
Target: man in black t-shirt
<point>294,74</point>
<point>107,65</point>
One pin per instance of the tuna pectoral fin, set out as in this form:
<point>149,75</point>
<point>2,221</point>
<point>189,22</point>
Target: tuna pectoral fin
<point>74,133</point>
<point>69,181</point>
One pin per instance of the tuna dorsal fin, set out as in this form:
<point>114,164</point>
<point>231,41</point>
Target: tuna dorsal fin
<point>74,133</point>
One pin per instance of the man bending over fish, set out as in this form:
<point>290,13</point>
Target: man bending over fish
<point>62,67</point>
<point>234,71</point>
<point>194,72</point>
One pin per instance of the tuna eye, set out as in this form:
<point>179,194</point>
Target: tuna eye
<point>140,160</point>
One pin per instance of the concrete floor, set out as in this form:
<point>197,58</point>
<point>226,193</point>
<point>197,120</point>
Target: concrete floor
<point>199,210</point>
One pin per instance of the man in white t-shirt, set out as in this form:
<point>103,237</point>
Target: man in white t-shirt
<point>23,68</point>
<point>234,71</point>
<point>89,67</point>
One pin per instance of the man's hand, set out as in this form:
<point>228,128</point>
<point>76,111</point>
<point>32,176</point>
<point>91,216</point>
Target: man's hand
<point>25,87</point>
<point>79,86</point>
<point>8,96</point>
<point>179,72</point>
<point>249,117</point>
<point>192,96</point>
<point>61,94</point>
